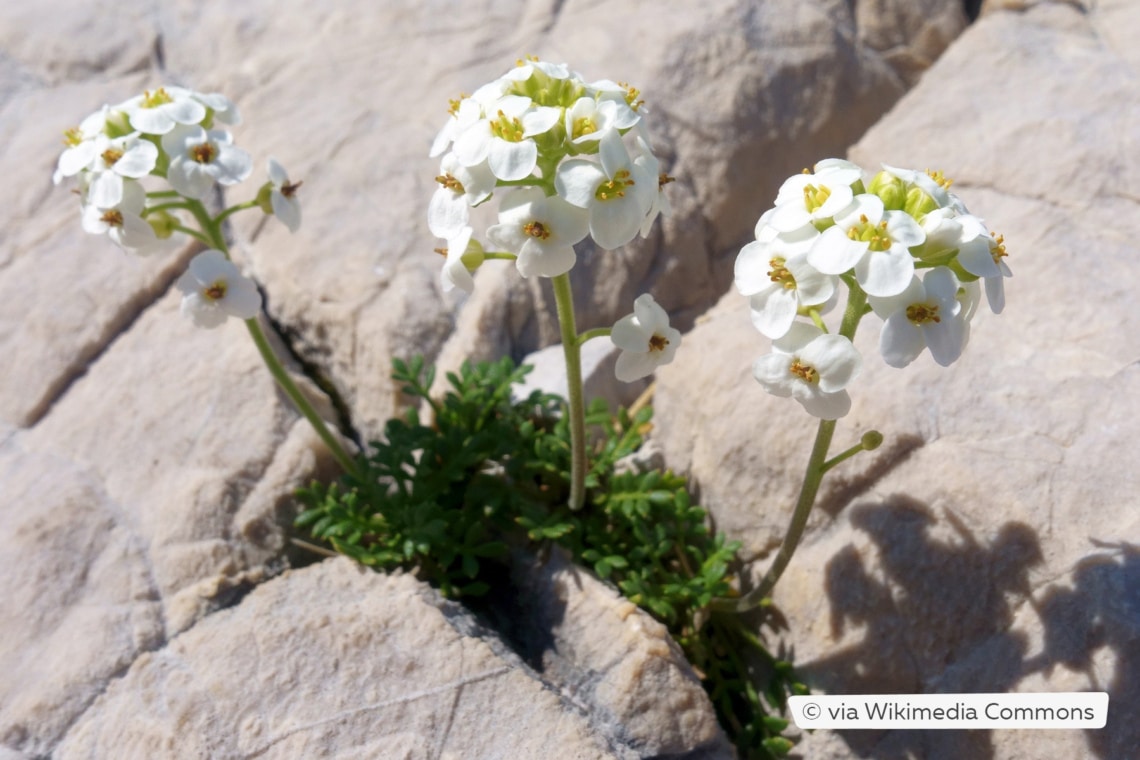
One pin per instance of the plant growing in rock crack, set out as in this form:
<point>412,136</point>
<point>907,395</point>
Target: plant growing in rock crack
<point>450,499</point>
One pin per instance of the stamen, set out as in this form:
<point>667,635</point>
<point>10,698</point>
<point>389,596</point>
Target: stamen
<point>940,179</point>
<point>441,251</point>
<point>920,313</point>
<point>72,137</point>
<point>203,153</point>
<point>450,182</point>
<point>657,342</point>
<point>998,249</point>
<point>507,129</point>
<point>614,188</point>
<point>112,155</point>
<point>780,274</point>
<point>664,179</point>
<point>158,98</point>
<point>215,292</point>
<point>804,372</point>
<point>536,230</point>
<point>114,217</point>
<point>631,95</point>
<point>289,188</point>
<point>453,105</point>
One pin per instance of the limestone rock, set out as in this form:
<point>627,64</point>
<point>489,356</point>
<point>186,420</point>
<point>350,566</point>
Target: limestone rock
<point>598,380</point>
<point>334,661</point>
<point>987,546</point>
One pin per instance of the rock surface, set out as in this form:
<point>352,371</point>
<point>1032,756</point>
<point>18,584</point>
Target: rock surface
<point>146,467</point>
<point>987,546</point>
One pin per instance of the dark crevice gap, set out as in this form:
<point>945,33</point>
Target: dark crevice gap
<point>973,9</point>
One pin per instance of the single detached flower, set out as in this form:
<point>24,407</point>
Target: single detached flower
<point>542,230</point>
<point>926,314</point>
<point>213,289</point>
<point>198,158</point>
<point>645,338</point>
<point>279,197</point>
<point>812,367</point>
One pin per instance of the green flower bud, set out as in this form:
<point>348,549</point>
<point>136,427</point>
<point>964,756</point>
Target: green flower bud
<point>919,203</point>
<point>163,224</point>
<point>872,440</point>
<point>118,124</point>
<point>890,189</point>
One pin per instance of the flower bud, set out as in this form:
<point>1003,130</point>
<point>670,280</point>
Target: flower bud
<point>871,440</point>
<point>118,124</point>
<point>919,203</point>
<point>890,189</point>
<point>163,224</point>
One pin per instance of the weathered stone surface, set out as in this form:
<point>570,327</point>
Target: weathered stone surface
<point>334,661</point>
<point>598,379</point>
<point>987,546</point>
<point>147,464</point>
<point>145,499</point>
<point>909,36</point>
<point>599,649</point>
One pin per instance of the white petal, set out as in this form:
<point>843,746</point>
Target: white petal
<point>946,339</point>
<point>616,221</point>
<point>901,341</point>
<point>835,253</point>
<point>242,298</point>
<point>885,273</point>
<point>995,294</point>
<point>577,181</point>
<point>751,269</point>
<point>613,154</point>
<point>232,165</point>
<point>288,210</point>
<point>629,335</point>
<point>202,312</point>
<point>837,361</point>
<point>827,406</point>
<point>774,310</point>
<point>138,161</point>
<point>632,366</point>
<point>903,229</point>
<point>774,372</point>
<point>447,213</point>
<point>277,174</point>
<point>650,316</point>
<point>549,261</point>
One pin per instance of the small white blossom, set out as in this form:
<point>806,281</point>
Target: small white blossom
<point>129,157</point>
<point>927,314</point>
<point>461,188</point>
<point>541,230</point>
<point>455,273</point>
<point>82,150</point>
<point>283,196</point>
<point>779,282</point>
<point>807,199</point>
<point>504,139</point>
<point>617,192</point>
<point>873,242</point>
<point>213,289</point>
<point>198,158</point>
<point>812,367</point>
<point>157,112</point>
<point>652,168</point>
<point>123,221</point>
<point>645,338</point>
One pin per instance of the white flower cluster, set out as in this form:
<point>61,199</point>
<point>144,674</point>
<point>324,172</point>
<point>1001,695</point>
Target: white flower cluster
<point>828,227</point>
<point>577,158</point>
<point>120,154</point>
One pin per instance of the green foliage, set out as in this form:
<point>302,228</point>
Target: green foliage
<point>449,497</point>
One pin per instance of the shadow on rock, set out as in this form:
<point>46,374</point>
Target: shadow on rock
<point>1101,609</point>
<point>936,597</point>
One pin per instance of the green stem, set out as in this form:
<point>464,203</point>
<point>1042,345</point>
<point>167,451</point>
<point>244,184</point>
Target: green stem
<point>573,351</point>
<point>813,477</point>
<point>233,210</point>
<point>212,230</point>
<point>504,255</point>
<point>597,332</point>
<point>192,233</point>
<point>164,206</point>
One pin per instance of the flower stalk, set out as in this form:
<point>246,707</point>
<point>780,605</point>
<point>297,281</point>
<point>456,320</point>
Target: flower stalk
<point>572,349</point>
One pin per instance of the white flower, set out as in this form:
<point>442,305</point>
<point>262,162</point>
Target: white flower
<point>198,158</point>
<point>779,281</point>
<point>812,367</point>
<point>214,289</point>
<point>872,241</point>
<point>464,112</point>
<point>627,98</point>
<point>926,314</point>
<point>589,119</point>
<point>283,196</point>
<point>504,139</point>
<point>645,338</point>
<point>805,199</point>
<point>461,188</point>
<point>455,273</point>
<point>983,255</point>
<point>617,193</point>
<point>130,156</point>
<point>123,221</point>
<point>81,150</point>
<point>541,230</point>
<point>224,109</point>
<point>652,167</point>
<point>158,112</point>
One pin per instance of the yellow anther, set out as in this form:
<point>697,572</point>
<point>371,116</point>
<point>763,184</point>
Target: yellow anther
<point>780,274</point>
<point>157,98</point>
<point>658,342</point>
<point>450,182</point>
<point>614,188</point>
<point>453,105</point>
<point>804,372</point>
<point>940,179</point>
<point>583,126</point>
<point>72,136</point>
<point>440,251</point>
<point>111,156</point>
<point>632,95</point>
<point>536,230</point>
<point>216,292</point>
<point>997,250</point>
<point>664,179</point>
<point>114,217</point>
